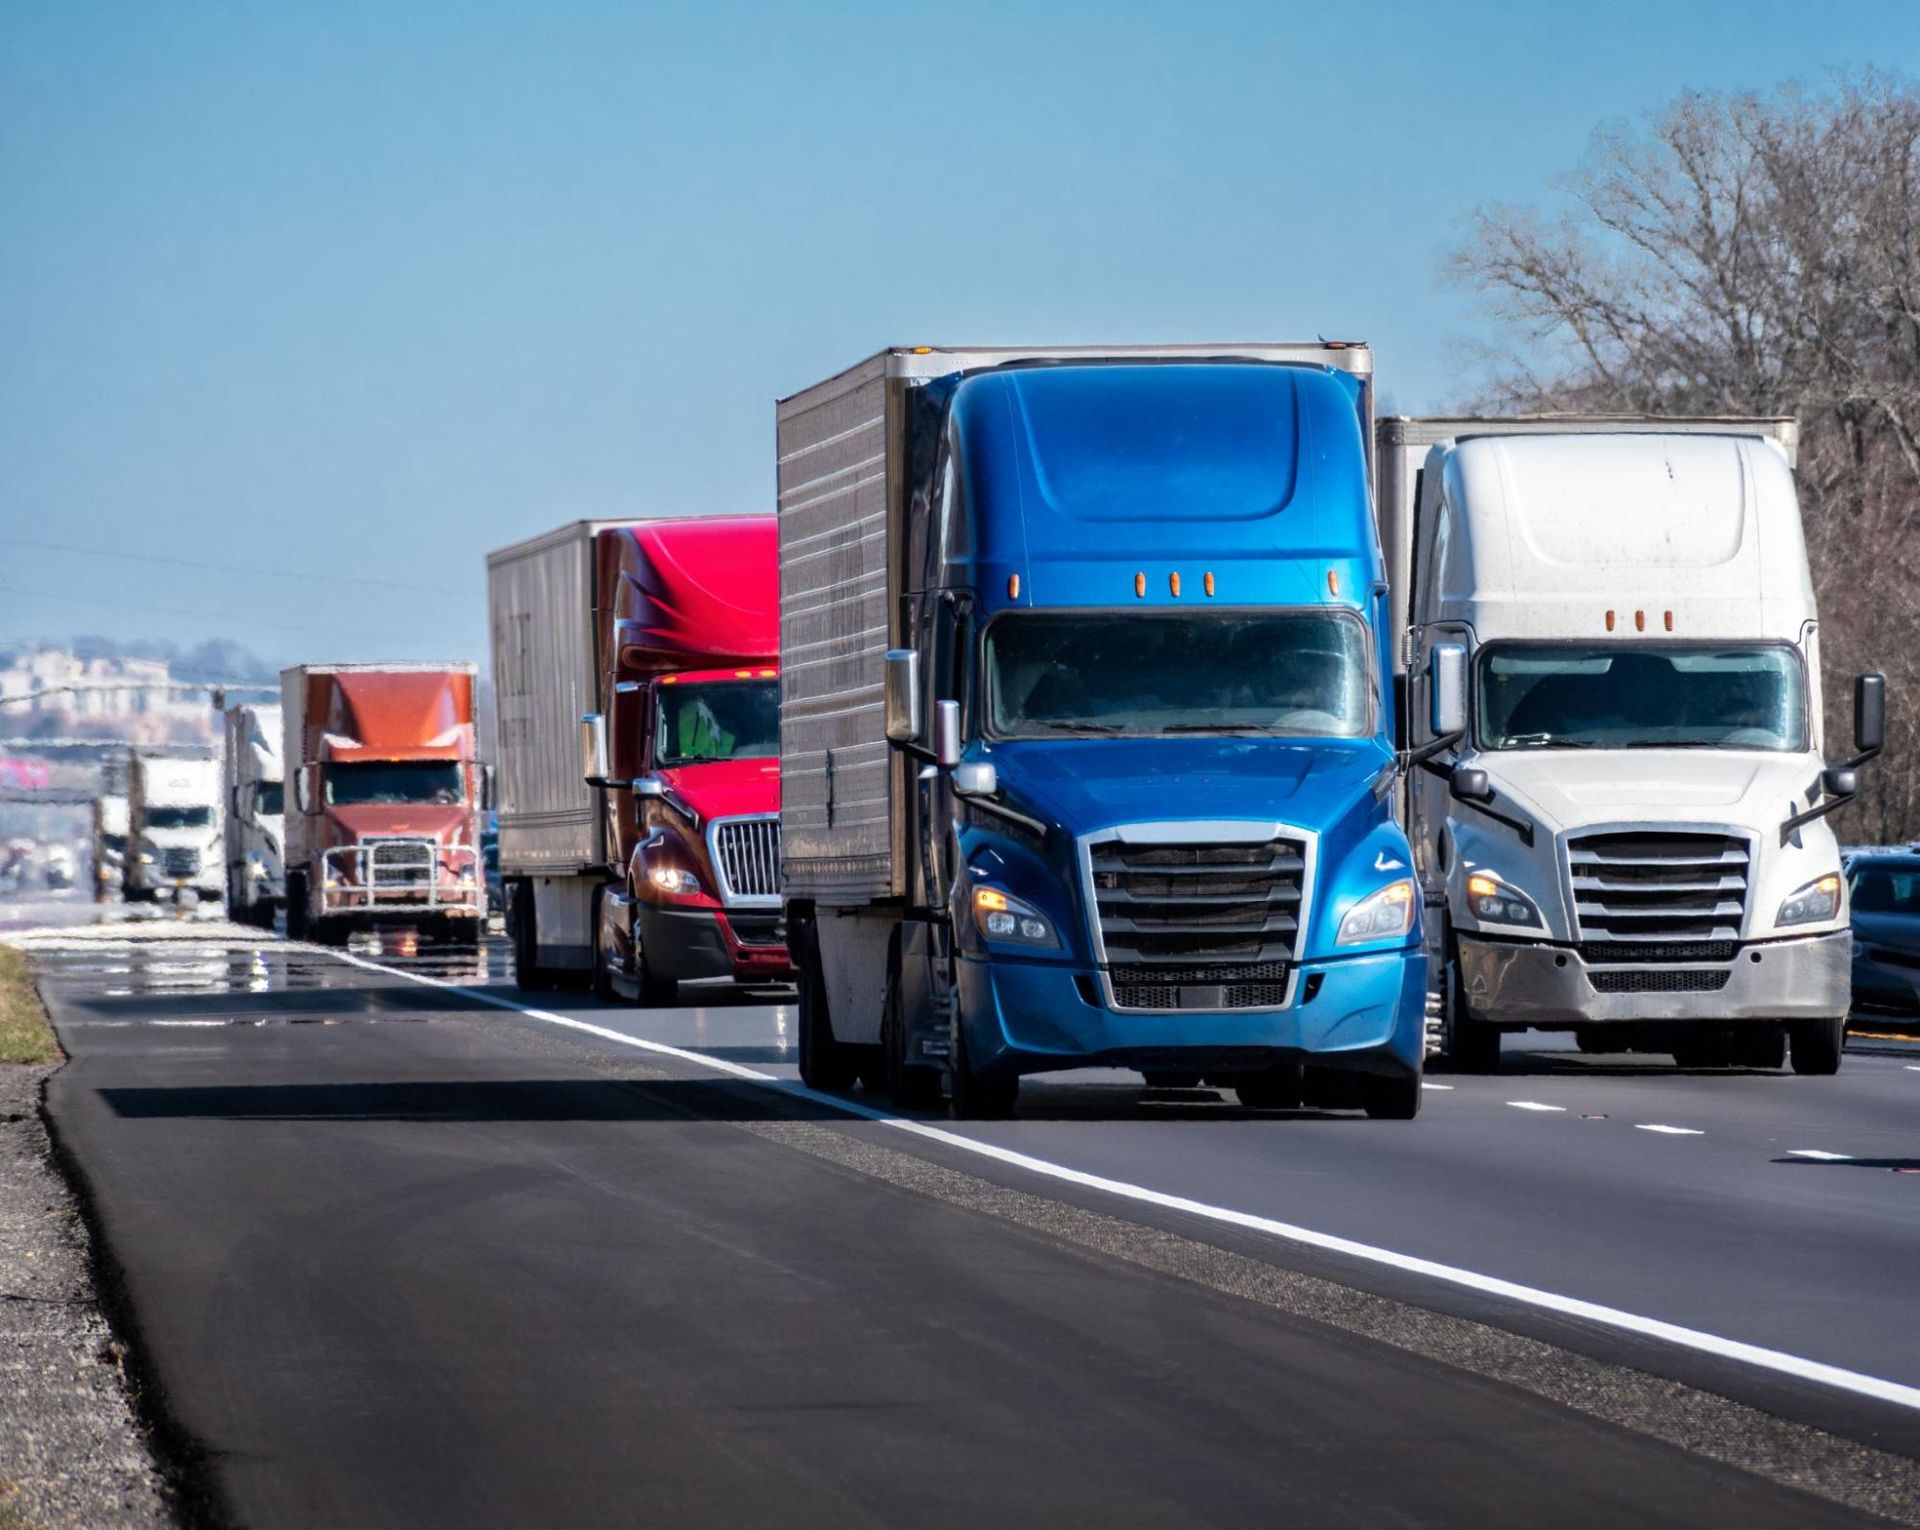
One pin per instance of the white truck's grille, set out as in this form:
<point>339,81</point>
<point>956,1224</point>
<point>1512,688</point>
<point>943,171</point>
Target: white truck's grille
<point>746,852</point>
<point>1655,887</point>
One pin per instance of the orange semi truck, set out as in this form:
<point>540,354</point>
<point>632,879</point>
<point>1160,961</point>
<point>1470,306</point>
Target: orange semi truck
<point>383,801</point>
<point>639,713</point>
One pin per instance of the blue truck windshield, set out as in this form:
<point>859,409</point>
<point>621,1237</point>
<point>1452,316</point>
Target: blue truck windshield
<point>1641,696</point>
<point>718,720</point>
<point>1292,674</point>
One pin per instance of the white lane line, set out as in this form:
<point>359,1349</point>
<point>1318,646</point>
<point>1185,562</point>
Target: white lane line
<point>1671,1131</point>
<point>1913,1067</point>
<point>1778,1361</point>
<point>1535,1105</point>
<point>1820,1154</point>
<point>1425,1085</point>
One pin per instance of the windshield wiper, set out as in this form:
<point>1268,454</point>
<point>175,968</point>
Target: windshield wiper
<point>1079,727</point>
<point>1219,728</point>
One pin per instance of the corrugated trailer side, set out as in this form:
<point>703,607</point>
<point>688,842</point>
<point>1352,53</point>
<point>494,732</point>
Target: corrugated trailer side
<point>836,821</point>
<point>540,596</point>
<point>295,851</point>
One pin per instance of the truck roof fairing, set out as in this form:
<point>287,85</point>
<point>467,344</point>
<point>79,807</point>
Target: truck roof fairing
<point>391,714</point>
<point>1704,527</point>
<point>1095,485</point>
<point>695,593</point>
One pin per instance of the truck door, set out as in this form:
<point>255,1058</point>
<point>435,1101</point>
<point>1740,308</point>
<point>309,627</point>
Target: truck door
<point>1427,790</point>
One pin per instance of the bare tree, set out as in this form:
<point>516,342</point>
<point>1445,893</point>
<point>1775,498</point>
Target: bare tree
<point>1750,254</point>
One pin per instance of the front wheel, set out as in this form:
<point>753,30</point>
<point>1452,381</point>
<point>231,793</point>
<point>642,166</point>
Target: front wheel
<point>296,907</point>
<point>1473,1046</point>
<point>1391,1098</point>
<point>1816,1046</point>
<point>603,987</point>
<point>971,1097</point>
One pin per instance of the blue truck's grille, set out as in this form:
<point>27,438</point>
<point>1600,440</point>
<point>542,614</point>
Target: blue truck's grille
<point>1199,926</point>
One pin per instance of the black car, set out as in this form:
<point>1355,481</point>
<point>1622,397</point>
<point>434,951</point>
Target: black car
<point>1884,889</point>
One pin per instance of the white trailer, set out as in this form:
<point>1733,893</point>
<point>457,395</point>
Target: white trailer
<point>109,844</point>
<point>253,792</point>
<point>1611,677</point>
<point>174,833</point>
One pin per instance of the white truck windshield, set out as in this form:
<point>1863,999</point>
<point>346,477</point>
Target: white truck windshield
<point>1640,696</point>
<point>162,817</point>
<point>1293,674</point>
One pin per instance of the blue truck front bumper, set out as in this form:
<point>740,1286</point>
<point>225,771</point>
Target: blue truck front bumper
<point>1367,1013</point>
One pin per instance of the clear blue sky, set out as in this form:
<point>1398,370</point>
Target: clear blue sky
<point>370,288</point>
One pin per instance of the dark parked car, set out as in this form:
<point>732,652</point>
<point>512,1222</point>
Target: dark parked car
<point>1884,888</point>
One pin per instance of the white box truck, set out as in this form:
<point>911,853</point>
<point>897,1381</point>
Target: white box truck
<point>174,835</point>
<point>1619,774</point>
<point>256,828</point>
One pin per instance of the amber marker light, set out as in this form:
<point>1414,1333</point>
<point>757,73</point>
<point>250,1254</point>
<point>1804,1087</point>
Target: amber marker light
<point>989,898</point>
<point>1669,621</point>
<point>1639,621</point>
<point>1173,583</point>
<point>1013,587</point>
<point>1609,621</point>
<point>1333,581</point>
<point>1140,584</point>
<point>1208,583</point>
<point>1482,887</point>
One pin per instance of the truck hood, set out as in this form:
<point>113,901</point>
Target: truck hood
<point>1088,784</point>
<point>449,824</point>
<point>1565,788</point>
<point>727,788</point>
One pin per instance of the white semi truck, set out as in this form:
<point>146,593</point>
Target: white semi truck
<point>109,842</point>
<point>174,839</point>
<point>256,828</point>
<point>1618,770</point>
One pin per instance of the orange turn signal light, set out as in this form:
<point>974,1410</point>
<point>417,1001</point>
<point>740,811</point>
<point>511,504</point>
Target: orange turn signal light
<point>1013,587</point>
<point>1209,584</point>
<point>1140,585</point>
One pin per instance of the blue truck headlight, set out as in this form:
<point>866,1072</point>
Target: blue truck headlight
<point>1817,901</point>
<point>1493,902</point>
<point>998,916</point>
<point>1384,915</point>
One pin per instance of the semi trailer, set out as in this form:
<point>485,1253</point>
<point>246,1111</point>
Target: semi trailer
<point>638,694</point>
<point>1086,747</point>
<point>253,790</point>
<point>1625,835</point>
<point>383,826</point>
<point>174,830</point>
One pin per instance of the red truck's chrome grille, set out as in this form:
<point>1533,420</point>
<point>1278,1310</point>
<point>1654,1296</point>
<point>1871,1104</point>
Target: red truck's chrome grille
<point>746,852</point>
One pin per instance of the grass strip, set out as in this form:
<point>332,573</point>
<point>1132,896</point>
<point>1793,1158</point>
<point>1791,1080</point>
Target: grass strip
<point>25,1035</point>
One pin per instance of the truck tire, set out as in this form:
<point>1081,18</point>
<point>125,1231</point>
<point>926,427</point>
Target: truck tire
<point>1472,1045</point>
<point>528,975</point>
<point>1817,1045</point>
<point>296,906</point>
<point>1763,1046</point>
<point>1387,1097</point>
<point>825,1063</point>
<point>1279,1088</point>
<point>908,1087</point>
<point>603,984</point>
<point>969,1096</point>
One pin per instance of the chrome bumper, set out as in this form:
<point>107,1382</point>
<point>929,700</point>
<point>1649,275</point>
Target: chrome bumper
<point>358,879</point>
<point>1805,979</point>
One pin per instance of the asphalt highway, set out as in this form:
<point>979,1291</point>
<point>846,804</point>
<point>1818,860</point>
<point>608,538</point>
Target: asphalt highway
<point>398,1251</point>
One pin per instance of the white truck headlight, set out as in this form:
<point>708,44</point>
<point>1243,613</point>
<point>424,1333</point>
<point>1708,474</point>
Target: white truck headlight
<point>673,879</point>
<point>999,916</point>
<point>1494,902</point>
<point>1815,903</point>
<point>1383,915</point>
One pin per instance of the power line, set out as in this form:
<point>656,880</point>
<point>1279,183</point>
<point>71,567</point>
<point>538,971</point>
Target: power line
<point>231,568</point>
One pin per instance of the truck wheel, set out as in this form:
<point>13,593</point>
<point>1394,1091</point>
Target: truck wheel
<point>908,1087</point>
<point>528,975</point>
<point>603,986</point>
<point>1473,1046</point>
<point>1816,1046</point>
<point>1279,1088</point>
<point>1391,1098</point>
<point>1763,1046</point>
<point>824,1063</point>
<point>330,932</point>
<point>296,907</point>
<point>969,1096</point>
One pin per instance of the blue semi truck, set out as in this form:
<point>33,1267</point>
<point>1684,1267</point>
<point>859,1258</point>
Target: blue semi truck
<point>1086,728</point>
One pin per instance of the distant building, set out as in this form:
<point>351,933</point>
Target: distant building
<point>119,697</point>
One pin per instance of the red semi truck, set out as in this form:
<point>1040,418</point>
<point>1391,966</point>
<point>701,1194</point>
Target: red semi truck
<point>639,715</point>
<point>383,801</point>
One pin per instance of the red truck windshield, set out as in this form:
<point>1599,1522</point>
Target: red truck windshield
<point>394,782</point>
<point>718,720</point>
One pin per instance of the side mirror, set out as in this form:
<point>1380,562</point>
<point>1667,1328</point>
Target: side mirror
<point>1869,715</point>
<point>1843,782</point>
<point>903,695</point>
<point>1469,783</point>
<point>946,734</point>
<point>977,778</point>
<point>1447,688</point>
<point>306,788</point>
<point>593,749</point>
<point>647,786</point>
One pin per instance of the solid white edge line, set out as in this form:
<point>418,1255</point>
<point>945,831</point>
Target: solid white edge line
<point>1535,1105</point>
<point>1758,1356</point>
<point>1821,1154</point>
<point>1672,1131</point>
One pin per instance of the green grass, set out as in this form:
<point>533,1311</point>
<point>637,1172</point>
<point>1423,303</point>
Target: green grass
<point>25,1036</point>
